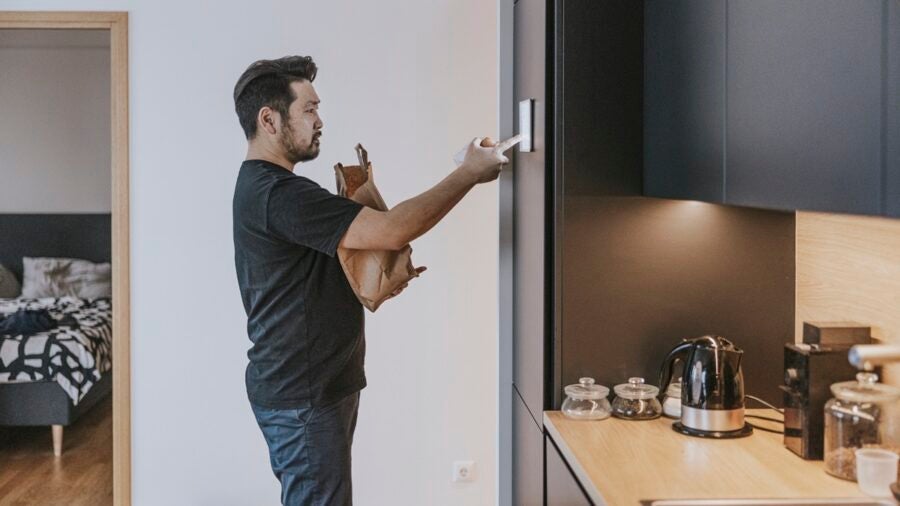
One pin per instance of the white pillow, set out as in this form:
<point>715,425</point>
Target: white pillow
<point>59,277</point>
<point>9,285</point>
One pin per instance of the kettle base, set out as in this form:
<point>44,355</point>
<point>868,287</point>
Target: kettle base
<point>745,431</point>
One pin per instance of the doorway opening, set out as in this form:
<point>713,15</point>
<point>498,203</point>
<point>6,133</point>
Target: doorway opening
<point>52,242</point>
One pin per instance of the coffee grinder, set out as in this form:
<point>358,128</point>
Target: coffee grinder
<point>809,370</point>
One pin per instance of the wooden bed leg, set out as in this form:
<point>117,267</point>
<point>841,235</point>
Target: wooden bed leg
<point>57,439</point>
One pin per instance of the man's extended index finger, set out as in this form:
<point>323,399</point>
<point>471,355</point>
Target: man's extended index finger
<point>508,143</point>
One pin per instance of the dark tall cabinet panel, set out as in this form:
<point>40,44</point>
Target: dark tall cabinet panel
<point>528,461</point>
<point>597,113</point>
<point>530,209</point>
<point>684,99</point>
<point>804,112</point>
<point>892,97</point>
<point>598,143</point>
<point>532,204</point>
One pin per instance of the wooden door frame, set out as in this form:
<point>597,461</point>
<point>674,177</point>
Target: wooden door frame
<point>117,24</point>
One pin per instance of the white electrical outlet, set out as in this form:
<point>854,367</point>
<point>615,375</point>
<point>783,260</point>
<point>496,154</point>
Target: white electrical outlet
<point>464,470</point>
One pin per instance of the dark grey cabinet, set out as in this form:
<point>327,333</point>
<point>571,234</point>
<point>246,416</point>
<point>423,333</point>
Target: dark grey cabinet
<point>528,469</point>
<point>804,119</point>
<point>530,209</point>
<point>684,99</point>
<point>563,488</point>
<point>773,104</point>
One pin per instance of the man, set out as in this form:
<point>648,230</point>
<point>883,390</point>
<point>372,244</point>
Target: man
<point>306,325</point>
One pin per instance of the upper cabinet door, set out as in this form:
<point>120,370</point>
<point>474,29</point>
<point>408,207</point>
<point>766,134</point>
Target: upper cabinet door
<point>529,187</point>
<point>684,99</point>
<point>892,96</point>
<point>805,117</point>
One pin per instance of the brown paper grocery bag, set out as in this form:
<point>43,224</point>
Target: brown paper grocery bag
<point>373,274</point>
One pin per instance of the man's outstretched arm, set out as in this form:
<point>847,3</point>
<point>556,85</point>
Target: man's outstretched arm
<point>394,229</point>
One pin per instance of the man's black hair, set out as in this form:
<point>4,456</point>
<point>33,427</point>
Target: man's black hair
<point>268,83</point>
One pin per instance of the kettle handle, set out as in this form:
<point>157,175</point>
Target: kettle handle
<point>665,371</point>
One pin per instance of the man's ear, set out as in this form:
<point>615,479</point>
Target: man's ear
<point>268,119</point>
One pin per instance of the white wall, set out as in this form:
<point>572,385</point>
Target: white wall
<point>413,81</point>
<point>54,125</point>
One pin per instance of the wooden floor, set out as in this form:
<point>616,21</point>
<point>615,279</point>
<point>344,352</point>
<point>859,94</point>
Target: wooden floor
<point>30,474</point>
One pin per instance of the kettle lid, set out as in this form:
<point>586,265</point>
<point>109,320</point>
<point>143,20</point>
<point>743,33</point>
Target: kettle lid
<point>716,342</point>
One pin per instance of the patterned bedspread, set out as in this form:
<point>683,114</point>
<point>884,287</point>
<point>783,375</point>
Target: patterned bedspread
<point>75,354</point>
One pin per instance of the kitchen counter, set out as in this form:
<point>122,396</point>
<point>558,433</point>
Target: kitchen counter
<point>621,462</point>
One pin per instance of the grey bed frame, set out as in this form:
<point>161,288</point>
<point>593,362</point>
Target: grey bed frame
<point>86,236</point>
<point>45,402</point>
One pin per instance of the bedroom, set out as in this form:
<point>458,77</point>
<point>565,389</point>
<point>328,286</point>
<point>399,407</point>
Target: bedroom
<point>55,270</point>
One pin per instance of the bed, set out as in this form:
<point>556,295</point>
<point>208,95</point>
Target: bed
<point>83,373</point>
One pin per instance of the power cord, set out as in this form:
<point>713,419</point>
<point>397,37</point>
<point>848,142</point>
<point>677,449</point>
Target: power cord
<point>765,429</point>
<point>764,403</point>
<point>769,419</point>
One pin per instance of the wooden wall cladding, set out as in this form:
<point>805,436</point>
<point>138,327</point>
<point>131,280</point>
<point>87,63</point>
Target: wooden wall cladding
<point>848,269</point>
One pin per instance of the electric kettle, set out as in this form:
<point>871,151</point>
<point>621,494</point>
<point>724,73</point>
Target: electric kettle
<point>712,387</point>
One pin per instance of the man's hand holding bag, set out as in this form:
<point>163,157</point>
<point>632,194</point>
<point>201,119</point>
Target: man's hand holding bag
<point>374,275</point>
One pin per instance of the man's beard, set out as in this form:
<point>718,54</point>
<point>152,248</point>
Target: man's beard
<point>295,153</point>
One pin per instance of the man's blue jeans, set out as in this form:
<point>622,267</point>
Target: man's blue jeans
<point>309,449</point>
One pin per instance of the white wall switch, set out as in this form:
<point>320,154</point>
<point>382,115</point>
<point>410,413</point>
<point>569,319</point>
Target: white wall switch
<point>464,470</point>
<point>526,125</point>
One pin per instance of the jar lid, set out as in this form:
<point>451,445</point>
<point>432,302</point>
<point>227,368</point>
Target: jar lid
<point>586,389</point>
<point>636,389</point>
<point>865,389</point>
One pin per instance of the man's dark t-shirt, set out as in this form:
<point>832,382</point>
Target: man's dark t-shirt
<point>305,323</point>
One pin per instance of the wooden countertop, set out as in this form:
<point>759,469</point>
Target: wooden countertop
<point>622,462</point>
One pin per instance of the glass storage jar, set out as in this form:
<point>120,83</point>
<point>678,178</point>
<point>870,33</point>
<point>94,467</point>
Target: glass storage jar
<point>862,414</point>
<point>586,401</point>
<point>671,403</point>
<point>636,401</point>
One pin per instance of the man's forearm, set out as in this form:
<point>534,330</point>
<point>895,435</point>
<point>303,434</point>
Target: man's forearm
<point>412,218</point>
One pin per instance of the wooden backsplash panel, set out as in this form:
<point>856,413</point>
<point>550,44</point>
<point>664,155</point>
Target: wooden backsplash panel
<point>848,269</point>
